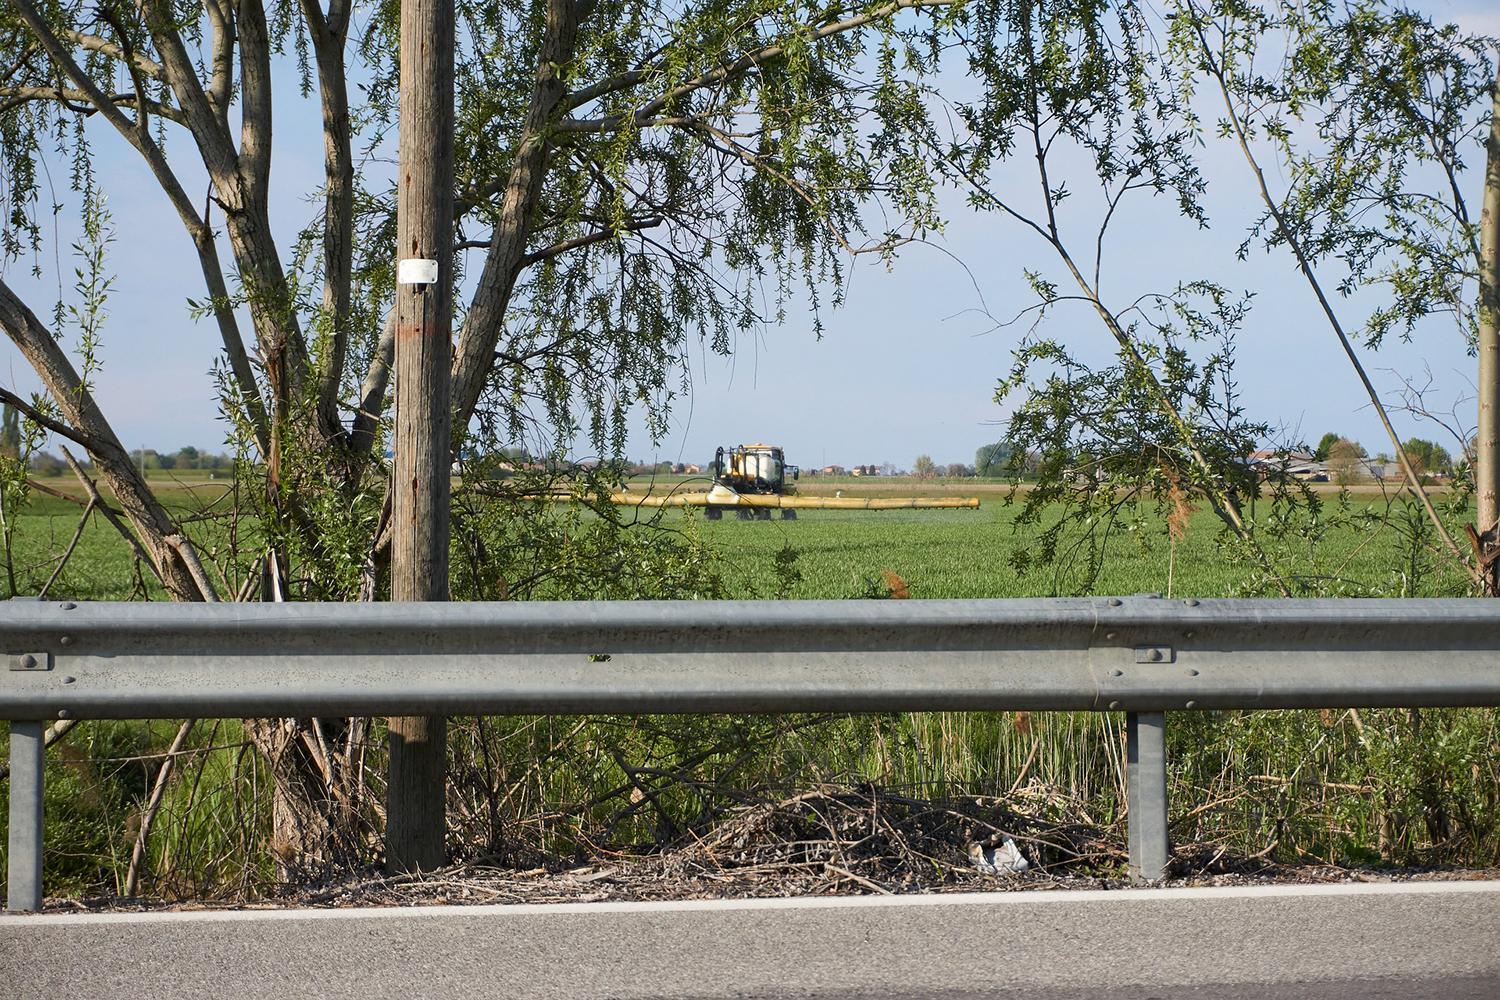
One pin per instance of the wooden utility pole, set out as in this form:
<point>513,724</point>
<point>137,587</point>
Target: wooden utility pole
<point>415,822</point>
<point>1487,443</point>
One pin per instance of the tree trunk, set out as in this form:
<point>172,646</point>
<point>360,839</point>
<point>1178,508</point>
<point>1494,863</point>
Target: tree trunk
<point>135,498</point>
<point>315,813</point>
<point>415,823</point>
<point>486,316</point>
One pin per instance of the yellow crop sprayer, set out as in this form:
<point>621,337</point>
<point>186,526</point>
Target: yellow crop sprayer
<point>751,480</point>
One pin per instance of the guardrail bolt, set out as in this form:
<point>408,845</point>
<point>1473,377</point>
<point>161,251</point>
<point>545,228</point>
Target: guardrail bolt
<point>28,662</point>
<point>1191,602</point>
<point>1117,673</point>
<point>67,605</point>
<point>1115,602</point>
<point>66,640</point>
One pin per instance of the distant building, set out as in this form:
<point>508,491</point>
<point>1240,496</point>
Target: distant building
<point>1278,456</point>
<point>1294,464</point>
<point>833,470</point>
<point>1308,472</point>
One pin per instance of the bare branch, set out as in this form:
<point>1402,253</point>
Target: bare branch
<point>719,74</point>
<point>371,401</point>
<point>255,95</point>
<point>181,75</point>
<point>189,557</point>
<point>110,514</point>
<point>221,83</point>
<point>83,522</point>
<point>153,804</point>
<point>44,420</point>
<point>589,239</point>
<point>79,101</point>
<point>94,43</point>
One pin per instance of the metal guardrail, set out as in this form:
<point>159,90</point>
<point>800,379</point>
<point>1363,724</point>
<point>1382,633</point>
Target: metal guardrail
<point>1142,655</point>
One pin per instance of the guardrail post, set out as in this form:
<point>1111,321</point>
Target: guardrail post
<point>1146,790</point>
<point>24,886</point>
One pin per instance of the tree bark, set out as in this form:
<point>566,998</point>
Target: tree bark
<point>329,34</point>
<point>486,317</point>
<point>415,823</point>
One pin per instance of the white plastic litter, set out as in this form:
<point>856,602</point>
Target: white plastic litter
<point>1006,858</point>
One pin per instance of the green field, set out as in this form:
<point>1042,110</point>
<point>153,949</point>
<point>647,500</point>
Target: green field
<point>844,554</point>
<point>970,554</point>
<point>1359,545</point>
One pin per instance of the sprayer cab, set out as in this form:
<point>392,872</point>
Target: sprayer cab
<point>754,469</point>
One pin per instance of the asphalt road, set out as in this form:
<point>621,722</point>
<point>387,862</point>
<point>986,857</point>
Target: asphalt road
<point>1325,942</point>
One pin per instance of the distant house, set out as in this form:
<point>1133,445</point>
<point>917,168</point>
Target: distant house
<point>1308,472</point>
<point>833,470</point>
<point>1278,456</point>
<point>691,469</point>
<point>1295,464</point>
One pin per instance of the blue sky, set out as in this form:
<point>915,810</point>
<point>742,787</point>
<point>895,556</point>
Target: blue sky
<point>906,367</point>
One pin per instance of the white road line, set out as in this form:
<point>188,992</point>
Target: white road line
<point>1003,899</point>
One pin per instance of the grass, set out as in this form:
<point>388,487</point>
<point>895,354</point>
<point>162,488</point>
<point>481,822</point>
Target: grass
<point>843,554</point>
<point>969,554</point>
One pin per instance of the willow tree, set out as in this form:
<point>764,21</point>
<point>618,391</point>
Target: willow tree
<point>1376,113</point>
<point>1080,96</point>
<point>634,178</point>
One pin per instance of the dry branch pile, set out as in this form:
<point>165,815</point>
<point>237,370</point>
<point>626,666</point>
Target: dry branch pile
<point>826,841</point>
<point>823,842</point>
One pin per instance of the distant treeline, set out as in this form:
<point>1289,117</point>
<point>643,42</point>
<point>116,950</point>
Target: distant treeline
<point>188,459</point>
